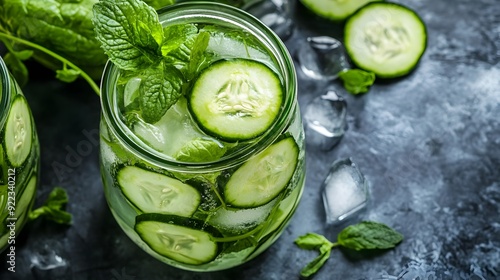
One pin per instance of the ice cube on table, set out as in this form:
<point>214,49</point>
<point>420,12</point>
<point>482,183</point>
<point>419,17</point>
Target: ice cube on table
<point>322,58</point>
<point>344,191</point>
<point>325,118</point>
<point>46,258</point>
<point>276,14</point>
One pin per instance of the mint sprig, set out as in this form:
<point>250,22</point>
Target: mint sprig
<point>133,37</point>
<point>52,209</point>
<point>366,235</point>
<point>129,31</point>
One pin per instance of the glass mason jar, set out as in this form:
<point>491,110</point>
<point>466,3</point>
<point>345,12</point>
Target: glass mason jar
<point>19,159</point>
<point>186,210</point>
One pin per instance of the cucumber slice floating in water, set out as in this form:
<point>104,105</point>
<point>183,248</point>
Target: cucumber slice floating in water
<point>385,38</point>
<point>182,239</point>
<point>18,132</point>
<point>264,176</point>
<point>335,9</point>
<point>154,192</point>
<point>236,99</point>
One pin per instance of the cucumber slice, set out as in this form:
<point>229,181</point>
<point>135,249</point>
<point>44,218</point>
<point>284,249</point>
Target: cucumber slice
<point>182,239</point>
<point>26,197</point>
<point>18,132</point>
<point>236,99</point>
<point>264,176</point>
<point>335,9</point>
<point>153,192</point>
<point>385,38</point>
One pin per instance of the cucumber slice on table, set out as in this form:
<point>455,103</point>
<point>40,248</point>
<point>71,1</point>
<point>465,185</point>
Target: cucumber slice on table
<point>264,176</point>
<point>335,9</point>
<point>154,192</point>
<point>182,239</point>
<point>236,99</point>
<point>385,38</point>
<point>18,132</point>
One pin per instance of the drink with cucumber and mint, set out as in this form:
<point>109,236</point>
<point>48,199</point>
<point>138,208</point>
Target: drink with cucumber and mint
<point>202,145</point>
<point>19,159</point>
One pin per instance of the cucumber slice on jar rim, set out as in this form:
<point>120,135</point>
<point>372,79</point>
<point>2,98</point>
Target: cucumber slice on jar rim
<point>263,177</point>
<point>236,99</point>
<point>336,10</point>
<point>18,132</point>
<point>157,193</point>
<point>182,239</point>
<point>385,38</point>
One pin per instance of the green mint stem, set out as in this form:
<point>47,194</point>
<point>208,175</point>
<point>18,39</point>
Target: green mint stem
<point>84,75</point>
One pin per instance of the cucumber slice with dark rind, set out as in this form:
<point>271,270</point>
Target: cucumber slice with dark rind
<point>385,38</point>
<point>237,99</point>
<point>336,10</point>
<point>153,192</point>
<point>18,132</point>
<point>185,240</point>
<point>263,177</point>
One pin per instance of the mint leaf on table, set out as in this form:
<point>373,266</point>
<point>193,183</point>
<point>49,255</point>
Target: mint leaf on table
<point>369,235</point>
<point>357,81</point>
<point>311,241</point>
<point>52,208</point>
<point>160,89</point>
<point>200,150</point>
<point>129,31</point>
<point>313,267</point>
<point>366,235</point>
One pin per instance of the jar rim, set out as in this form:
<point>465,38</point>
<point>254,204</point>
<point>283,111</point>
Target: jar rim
<point>5,85</point>
<point>203,10</point>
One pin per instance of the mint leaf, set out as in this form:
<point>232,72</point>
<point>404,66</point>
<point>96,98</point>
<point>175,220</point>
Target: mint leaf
<point>314,266</point>
<point>179,39</point>
<point>369,235</point>
<point>159,3</point>
<point>311,241</point>
<point>365,235</point>
<point>314,241</point>
<point>129,31</point>
<point>23,55</point>
<point>160,89</point>
<point>200,150</point>
<point>52,208</point>
<point>67,75</point>
<point>197,56</point>
<point>357,81</point>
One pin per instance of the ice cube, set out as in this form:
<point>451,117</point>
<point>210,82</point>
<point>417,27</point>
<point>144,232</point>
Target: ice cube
<point>171,132</point>
<point>46,258</point>
<point>131,90</point>
<point>276,14</point>
<point>344,191</point>
<point>325,118</point>
<point>237,221</point>
<point>150,134</point>
<point>322,58</point>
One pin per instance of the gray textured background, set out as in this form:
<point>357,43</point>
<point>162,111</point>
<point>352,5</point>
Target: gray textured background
<point>428,143</point>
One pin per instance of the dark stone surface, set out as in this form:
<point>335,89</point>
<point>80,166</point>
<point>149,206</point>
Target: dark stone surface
<point>428,143</point>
